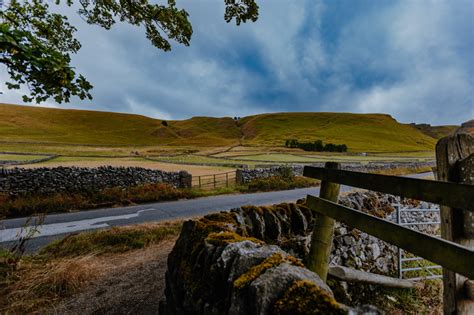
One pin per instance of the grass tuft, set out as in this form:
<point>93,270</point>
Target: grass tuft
<point>114,240</point>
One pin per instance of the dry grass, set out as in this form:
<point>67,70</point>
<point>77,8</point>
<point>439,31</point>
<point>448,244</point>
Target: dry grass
<point>40,285</point>
<point>404,171</point>
<point>424,299</point>
<point>113,240</point>
<point>68,266</point>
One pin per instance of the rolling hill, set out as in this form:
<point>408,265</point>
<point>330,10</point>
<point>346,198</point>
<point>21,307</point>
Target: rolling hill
<point>360,132</point>
<point>436,132</point>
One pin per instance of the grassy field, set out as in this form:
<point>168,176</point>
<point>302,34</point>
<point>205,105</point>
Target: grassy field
<point>79,132</point>
<point>195,170</point>
<point>218,164</point>
<point>293,158</point>
<point>197,159</point>
<point>19,157</point>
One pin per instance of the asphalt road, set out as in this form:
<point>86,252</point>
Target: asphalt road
<point>57,225</point>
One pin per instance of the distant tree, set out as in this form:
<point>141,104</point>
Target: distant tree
<point>164,123</point>
<point>330,147</point>
<point>318,145</point>
<point>342,148</point>
<point>293,143</point>
<point>36,45</point>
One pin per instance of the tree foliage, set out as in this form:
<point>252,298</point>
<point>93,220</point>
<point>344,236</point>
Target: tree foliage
<point>317,146</point>
<point>36,44</point>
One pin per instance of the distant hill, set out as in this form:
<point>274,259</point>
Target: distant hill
<point>467,127</point>
<point>436,132</point>
<point>360,132</point>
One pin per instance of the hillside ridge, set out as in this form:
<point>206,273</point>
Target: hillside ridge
<point>357,131</point>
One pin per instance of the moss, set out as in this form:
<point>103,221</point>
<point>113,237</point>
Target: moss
<point>228,237</point>
<point>223,216</point>
<point>355,233</point>
<point>305,297</point>
<point>254,272</point>
<point>189,251</point>
<point>252,209</point>
<point>294,261</point>
<point>338,290</point>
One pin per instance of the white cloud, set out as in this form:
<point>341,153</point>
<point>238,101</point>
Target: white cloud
<point>411,59</point>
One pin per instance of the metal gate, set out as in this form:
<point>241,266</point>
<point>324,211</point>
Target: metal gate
<point>410,266</point>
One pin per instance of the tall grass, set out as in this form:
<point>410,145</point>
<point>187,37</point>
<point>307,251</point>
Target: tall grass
<point>64,267</point>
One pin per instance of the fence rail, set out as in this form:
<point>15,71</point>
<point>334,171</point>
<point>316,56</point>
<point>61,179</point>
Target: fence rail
<point>445,193</point>
<point>451,255</point>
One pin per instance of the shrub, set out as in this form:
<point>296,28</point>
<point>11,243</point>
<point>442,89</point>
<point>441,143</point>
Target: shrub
<point>286,172</point>
<point>25,205</point>
<point>280,183</point>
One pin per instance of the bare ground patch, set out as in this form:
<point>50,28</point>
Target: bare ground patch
<point>130,283</point>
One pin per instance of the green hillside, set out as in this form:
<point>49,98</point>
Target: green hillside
<point>360,132</point>
<point>39,124</point>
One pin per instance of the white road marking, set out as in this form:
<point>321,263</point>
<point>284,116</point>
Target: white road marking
<point>67,227</point>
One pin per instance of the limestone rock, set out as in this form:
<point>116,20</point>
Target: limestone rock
<point>270,286</point>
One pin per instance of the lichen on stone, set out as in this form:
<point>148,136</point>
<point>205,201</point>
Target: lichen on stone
<point>227,237</point>
<point>304,297</point>
<point>254,272</point>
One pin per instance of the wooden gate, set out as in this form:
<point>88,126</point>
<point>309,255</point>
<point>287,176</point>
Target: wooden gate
<point>213,181</point>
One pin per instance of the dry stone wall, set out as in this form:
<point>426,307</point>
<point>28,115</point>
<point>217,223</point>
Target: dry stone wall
<point>245,261</point>
<point>72,179</point>
<point>242,261</point>
<point>245,176</point>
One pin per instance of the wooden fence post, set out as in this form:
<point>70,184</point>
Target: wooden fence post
<point>323,230</point>
<point>455,163</point>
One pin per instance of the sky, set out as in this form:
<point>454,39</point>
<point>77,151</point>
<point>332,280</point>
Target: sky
<point>411,59</point>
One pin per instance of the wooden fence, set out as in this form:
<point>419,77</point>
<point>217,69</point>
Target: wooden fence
<point>212,181</point>
<point>454,257</point>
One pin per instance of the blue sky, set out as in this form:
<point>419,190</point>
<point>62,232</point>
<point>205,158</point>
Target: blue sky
<point>411,59</point>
